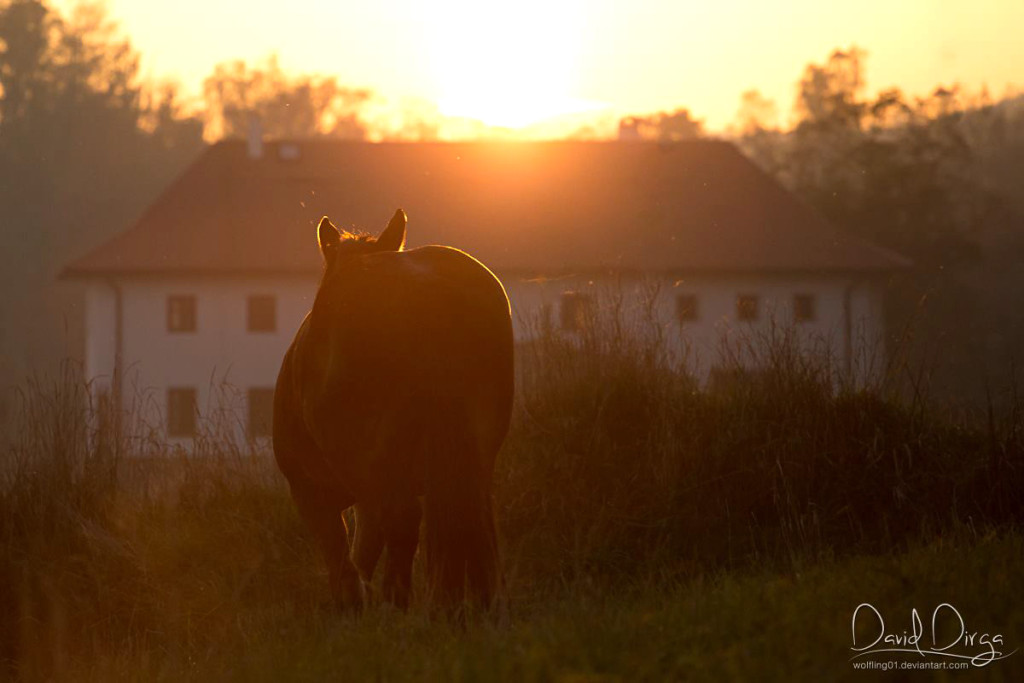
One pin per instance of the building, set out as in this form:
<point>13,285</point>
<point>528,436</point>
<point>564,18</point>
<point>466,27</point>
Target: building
<point>208,287</point>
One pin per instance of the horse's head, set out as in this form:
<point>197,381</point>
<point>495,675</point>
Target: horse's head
<point>336,245</point>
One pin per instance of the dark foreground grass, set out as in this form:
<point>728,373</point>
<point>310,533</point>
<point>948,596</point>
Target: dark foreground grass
<point>650,529</point>
<point>743,626</point>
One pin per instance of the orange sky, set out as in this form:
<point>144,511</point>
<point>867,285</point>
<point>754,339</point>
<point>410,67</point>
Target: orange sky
<point>513,62</point>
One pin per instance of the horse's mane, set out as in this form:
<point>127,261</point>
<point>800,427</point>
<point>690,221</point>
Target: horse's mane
<point>352,241</point>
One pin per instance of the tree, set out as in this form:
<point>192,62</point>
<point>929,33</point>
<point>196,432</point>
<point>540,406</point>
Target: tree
<point>895,171</point>
<point>25,30</point>
<point>411,120</point>
<point>84,147</point>
<point>756,128</point>
<point>663,126</point>
<point>285,106</point>
<point>756,113</point>
<point>829,94</point>
<point>909,173</point>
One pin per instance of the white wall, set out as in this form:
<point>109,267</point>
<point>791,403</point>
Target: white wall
<point>100,334</point>
<point>222,359</point>
<point>705,340</point>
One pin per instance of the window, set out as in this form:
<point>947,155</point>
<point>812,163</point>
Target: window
<point>262,314</point>
<point>181,412</point>
<point>261,411</point>
<point>804,308</point>
<point>746,307</point>
<point>181,313</point>
<point>575,311</point>
<point>686,307</point>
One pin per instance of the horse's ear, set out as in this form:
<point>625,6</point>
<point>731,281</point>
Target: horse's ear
<point>327,235</point>
<point>393,237</point>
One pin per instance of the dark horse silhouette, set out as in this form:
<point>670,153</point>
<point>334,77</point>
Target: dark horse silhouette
<point>398,387</point>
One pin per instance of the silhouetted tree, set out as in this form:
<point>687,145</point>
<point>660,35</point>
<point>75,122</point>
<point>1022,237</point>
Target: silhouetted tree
<point>912,174</point>
<point>756,113</point>
<point>84,147</point>
<point>285,106</point>
<point>664,126</point>
<point>996,134</point>
<point>830,94</point>
<point>896,171</point>
<point>412,120</point>
<point>756,127</point>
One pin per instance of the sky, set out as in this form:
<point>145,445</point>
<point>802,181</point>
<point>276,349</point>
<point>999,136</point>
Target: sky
<point>512,63</point>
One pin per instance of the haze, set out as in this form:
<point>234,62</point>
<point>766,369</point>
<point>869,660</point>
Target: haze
<point>515,63</point>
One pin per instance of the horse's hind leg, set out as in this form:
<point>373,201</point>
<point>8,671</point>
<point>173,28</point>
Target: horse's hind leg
<point>322,511</point>
<point>482,567</point>
<point>369,540</point>
<point>402,528</point>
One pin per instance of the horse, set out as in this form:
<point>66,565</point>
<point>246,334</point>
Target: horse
<point>394,398</point>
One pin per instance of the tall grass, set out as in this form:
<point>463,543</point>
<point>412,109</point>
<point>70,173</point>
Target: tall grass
<point>620,464</point>
<point>114,543</point>
<point>58,486</point>
<point>619,468</point>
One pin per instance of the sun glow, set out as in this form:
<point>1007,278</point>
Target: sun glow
<point>507,64</point>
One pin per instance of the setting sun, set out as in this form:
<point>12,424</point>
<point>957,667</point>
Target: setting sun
<point>506,65</point>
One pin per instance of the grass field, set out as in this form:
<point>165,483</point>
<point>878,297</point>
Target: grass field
<point>650,531</point>
<point>747,626</point>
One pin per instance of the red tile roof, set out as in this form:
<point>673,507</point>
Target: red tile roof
<point>536,206</point>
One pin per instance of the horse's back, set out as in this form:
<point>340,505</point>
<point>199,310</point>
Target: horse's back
<point>433,319</point>
<point>413,339</point>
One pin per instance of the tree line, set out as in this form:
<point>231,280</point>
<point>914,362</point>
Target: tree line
<point>936,178</point>
<point>84,147</point>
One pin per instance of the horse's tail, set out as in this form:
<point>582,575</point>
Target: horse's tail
<point>461,540</point>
